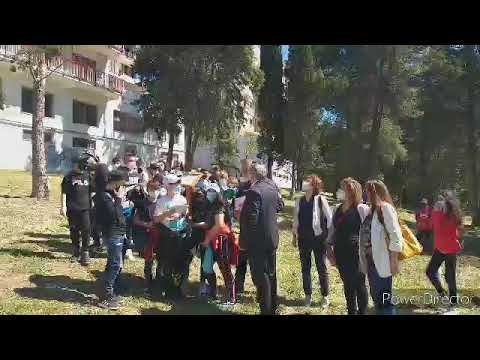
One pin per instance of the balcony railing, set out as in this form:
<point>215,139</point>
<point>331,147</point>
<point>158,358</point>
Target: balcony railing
<point>76,70</point>
<point>130,53</point>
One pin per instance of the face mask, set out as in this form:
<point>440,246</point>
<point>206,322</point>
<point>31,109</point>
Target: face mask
<point>340,195</point>
<point>211,196</point>
<point>243,179</point>
<point>162,192</point>
<point>306,186</point>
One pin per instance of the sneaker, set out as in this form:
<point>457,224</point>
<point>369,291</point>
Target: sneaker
<point>308,300</point>
<point>324,302</point>
<point>85,258</point>
<point>110,303</point>
<point>129,255</point>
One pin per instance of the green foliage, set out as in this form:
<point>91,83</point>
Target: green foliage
<point>203,86</point>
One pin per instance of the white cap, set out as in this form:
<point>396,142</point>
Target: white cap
<point>170,179</point>
<point>214,187</point>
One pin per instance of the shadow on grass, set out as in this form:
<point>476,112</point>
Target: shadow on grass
<point>61,288</point>
<point>46,236</point>
<point>53,245</point>
<point>27,253</point>
<point>13,196</point>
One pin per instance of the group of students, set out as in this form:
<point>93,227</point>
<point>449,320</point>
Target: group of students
<point>149,211</point>
<point>362,237</point>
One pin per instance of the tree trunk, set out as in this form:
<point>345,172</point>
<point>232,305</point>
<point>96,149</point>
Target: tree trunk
<point>39,165</point>
<point>171,142</point>
<point>294,178</point>
<point>269,166</point>
<point>191,142</point>
<point>376,124</point>
<point>472,155</point>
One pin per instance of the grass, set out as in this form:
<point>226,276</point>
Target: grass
<point>37,277</point>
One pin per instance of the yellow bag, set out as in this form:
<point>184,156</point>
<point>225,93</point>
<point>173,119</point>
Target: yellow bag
<point>411,247</point>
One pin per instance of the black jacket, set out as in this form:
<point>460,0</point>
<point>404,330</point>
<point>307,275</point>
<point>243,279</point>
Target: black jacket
<point>258,219</point>
<point>110,214</point>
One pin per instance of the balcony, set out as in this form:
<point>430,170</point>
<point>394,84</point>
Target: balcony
<point>125,50</point>
<point>86,73</point>
<point>72,69</point>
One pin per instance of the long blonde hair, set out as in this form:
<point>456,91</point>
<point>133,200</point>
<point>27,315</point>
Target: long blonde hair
<point>353,193</point>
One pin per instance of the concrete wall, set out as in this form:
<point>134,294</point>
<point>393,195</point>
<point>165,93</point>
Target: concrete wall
<point>109,143</point>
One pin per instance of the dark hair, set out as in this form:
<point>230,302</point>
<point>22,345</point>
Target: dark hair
<point>219,203</point>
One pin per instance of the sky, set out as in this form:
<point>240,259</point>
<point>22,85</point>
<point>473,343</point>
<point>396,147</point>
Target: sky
<point>284,52</point>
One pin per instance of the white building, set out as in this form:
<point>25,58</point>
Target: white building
<point>88,106</point>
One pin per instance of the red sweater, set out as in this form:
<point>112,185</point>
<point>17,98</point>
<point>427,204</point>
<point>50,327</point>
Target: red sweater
<point>446,233</point>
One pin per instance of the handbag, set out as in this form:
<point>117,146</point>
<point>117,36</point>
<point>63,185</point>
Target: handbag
<point>410,247</point>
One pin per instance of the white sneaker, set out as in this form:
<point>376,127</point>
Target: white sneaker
<point>324,302</point>
<point>308,300</point>
<point>129,255</point>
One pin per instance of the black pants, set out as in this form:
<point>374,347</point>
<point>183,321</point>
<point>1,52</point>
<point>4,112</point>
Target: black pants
<point>79,223</point>
<point>355,290</point>
<point>95,228</point>
<point>450,273</point>
<point>305,247</point>
<point>241,271</point>
<point>426,239</point>
<point>264,275</point>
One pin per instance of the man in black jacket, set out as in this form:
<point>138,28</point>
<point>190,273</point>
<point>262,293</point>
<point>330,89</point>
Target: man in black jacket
<point>110,215</point>
<point>259,235</point>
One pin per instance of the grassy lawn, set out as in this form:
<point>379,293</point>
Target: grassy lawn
<point>37,277</point>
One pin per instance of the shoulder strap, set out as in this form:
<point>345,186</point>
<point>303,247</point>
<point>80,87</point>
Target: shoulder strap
<point>382,221</point>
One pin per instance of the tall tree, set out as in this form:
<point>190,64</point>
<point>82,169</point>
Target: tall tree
<point>209,84</point>
<point>304,94</point>
<point>36,60</point>
<point>271,104</point>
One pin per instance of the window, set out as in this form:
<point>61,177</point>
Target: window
<point>27,136</point>
<point>127,70</point>
<point>27,102</point>
<point>131,149</point>
<point>84,143</point>
<point>84,113</point>
<point>127,122</point>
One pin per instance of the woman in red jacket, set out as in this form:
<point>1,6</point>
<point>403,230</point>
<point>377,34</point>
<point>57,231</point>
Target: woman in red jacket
<point>447,228</point>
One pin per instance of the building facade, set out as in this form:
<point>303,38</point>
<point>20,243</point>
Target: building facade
<point>88,106</point>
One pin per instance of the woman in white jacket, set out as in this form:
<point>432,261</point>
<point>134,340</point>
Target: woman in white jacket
<point>311,220</point>
<point>381,242</point>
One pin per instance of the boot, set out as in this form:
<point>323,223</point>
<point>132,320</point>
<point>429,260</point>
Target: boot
<point>85,258</point>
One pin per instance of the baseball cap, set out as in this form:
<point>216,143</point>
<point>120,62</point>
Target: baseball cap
<point>154,166</point>
<point>171,179</point>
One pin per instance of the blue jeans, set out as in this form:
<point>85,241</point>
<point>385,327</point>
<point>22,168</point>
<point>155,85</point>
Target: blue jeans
<point>380,291</point>
<point>114,263</point>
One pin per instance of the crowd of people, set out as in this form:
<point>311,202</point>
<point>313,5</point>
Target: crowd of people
<point>126,207</point>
